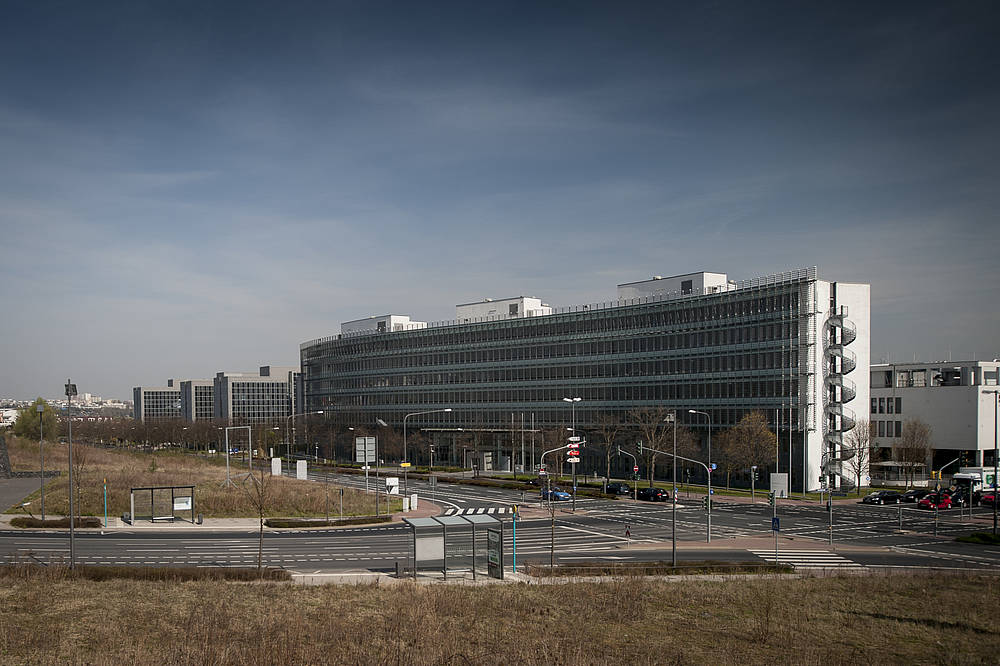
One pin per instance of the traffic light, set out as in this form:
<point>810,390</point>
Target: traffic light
<point>770,498</point>
<point>704,502</point>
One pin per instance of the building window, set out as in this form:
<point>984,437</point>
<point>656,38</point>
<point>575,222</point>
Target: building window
<point>899,405</point>
<point>513,310</point>
<point>874,405</point>
<point>899,428</point>
<point>687,286</point>
<point>889,406</point>
<point>881,405</point>
<point>881,428</point>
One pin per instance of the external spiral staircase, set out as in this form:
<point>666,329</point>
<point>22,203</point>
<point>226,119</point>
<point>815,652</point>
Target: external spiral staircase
<point>839,419</point>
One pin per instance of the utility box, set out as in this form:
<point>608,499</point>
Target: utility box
<point>300,470</point>
<point>413,501</point>
<point>275,466</point>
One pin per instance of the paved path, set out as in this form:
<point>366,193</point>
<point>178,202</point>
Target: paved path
<point>13,492</point>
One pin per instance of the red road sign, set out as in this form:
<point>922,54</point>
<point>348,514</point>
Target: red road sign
<point>635,469</point>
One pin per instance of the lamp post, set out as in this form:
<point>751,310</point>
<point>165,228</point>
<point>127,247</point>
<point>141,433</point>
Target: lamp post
<point>672,418</point>
<point>996,485</point>
<point>406,467</point>
<point>288,426</point>
<point>707,467</point>
<point>229,481</point>
<point>70,392</point>
<point>41,455</point>
<point>572,402</point>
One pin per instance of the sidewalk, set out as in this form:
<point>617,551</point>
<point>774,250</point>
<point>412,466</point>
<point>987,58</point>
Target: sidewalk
<point>424,509</point>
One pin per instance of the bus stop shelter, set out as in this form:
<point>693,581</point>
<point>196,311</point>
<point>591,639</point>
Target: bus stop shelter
<point>457,544</point>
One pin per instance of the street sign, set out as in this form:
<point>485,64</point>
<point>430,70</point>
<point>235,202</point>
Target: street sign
<point>392,485</point>
<point>404,464</point>
<point>364,449</point>
<point>635,468</point>
<point>573,459</point>
<point>575,438</point>
<point>714,467</point>
<point>775,524</point>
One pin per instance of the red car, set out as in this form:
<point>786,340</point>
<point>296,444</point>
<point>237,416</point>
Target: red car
<point>935,501</point>
<point>988,498</point>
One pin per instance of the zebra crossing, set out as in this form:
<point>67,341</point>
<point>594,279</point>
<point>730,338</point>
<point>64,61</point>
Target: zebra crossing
<point>808,559</point>
<point>479,510</point>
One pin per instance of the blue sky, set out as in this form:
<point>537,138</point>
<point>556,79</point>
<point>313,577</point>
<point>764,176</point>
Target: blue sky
<point>187,187</point>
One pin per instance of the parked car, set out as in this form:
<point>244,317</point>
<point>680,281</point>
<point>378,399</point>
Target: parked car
<point>989,498</point>
<point>556,494</point>
<point>653,494</point>
<point>915,495</point>
<point>935,501</point>
<point>619,489</point>
<point>883,497</point>
<point>960,497</point>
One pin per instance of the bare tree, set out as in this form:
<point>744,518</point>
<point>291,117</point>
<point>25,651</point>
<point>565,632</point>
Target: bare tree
<point>609,424</point>
<point>860,438</point>
<point>653,431</point>
<point>913,448</point>
<point>260,496</point>
<point>81,456</point>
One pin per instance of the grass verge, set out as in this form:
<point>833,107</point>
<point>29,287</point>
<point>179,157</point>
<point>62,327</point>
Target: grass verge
<point>858,619</point>
<point>299,522</point>
<point>655,569</point>
<point>125,469</point>
<point>985,538</point>
<point>36,573</point>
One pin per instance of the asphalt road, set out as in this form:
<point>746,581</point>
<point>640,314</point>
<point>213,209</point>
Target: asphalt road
<point>600,530</point>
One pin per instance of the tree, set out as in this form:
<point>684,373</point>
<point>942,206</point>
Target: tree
<point>749,443</point>
<point>260,496</point>
<point>860,438</point>
<point>26,425</point>
<point>609,424</point>
<point>653,431</point>
<point>913,448</point>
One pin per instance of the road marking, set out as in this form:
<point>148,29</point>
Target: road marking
<point>808,558</point>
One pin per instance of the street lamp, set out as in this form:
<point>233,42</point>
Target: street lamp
<point>70,392</point>
<point>406,461</point>
<point>288,420</point>
<point>672,418</point>
<point>708,467</point>
<point>996,485</point>
<point>41,453</point>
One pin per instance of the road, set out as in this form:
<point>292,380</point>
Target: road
<point>862,536</point>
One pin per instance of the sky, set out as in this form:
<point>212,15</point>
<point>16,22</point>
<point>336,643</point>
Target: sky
<point>189,187</point>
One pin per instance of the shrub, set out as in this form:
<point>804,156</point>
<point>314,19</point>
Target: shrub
<point>25,521</point>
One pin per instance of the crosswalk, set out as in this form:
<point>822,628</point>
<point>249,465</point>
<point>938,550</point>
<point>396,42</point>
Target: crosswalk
<point>808,559</point>
<point>479,510</point>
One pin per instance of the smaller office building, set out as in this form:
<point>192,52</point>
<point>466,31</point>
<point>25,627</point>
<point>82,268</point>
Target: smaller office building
<point>197,399</point>
<point>267,396</point>
<point>956,399</point>
<point>156,403</point>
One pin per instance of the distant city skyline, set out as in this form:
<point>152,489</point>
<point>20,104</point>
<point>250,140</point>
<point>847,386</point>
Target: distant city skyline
<point>195,187</point>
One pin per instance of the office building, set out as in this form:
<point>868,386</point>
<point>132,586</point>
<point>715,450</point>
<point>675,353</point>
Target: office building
<point>197,399</point>
<point>788,344</point>
<point>267,396</point>
<point>159,403</point>
<point>955,398</point>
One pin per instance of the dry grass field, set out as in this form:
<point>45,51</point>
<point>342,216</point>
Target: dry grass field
<point>902,619</point>
<point>125,469</point>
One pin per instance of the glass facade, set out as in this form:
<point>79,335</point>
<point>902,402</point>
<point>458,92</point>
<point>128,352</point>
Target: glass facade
<point>726,353</point>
